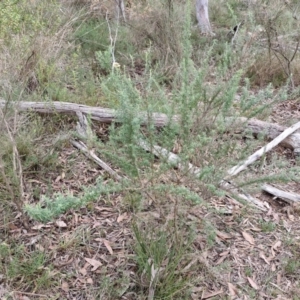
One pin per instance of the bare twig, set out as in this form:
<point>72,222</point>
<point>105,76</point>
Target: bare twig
<point>229,186</point>
<point>288,68</point>
<point>113,39</point>
<point>30,294</point>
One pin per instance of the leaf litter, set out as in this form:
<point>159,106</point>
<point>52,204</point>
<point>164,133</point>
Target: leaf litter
<point>91,244</point>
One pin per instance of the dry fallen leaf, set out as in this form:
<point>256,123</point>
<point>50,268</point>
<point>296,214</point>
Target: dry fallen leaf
<point>12,227</point>
<point>65,286</point>
<point>83,271</point>
<point>58,178</point>
<point>95,263</point>
<point>108,247</point>
<point>254,228</point>
<point>224,253</point>
<point>223,235</point>
<point>291,217</point>
<point>61,224</point>
<point>220,260</point>
<point>276,245</point>
<point>121,217</point>
<point>24,298</point>
<point>248,237</point>
<point>273,267</point>
<point>210,295</point>
<point>253,283</point>
<point>262,255</point>
<point>39,226</point>
<point>232,289</point>
<point>39,247</point>
<point>89,281</point>
<point>104,209</point>
<point>278,279</point>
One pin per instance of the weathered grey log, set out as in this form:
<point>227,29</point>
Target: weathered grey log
<point>271,131</point>
<point>286,196</point>
<point>106,115</point>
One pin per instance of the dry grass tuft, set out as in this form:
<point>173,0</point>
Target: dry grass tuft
<point>268,70</point>
<point>156,29</point>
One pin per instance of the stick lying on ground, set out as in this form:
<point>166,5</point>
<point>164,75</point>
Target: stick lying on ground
<point>106,115</point>
<point>225,185</point>
<point>252,158</point>
<point>81,146</point>
<point>289,197</point>
<point>174,159</point>
<point>85,131</point>
<point>171,157</point>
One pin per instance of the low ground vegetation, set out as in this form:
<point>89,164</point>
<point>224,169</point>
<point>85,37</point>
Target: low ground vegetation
<point>70,229</point>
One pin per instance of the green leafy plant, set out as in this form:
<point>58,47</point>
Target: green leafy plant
<point>267,226</point>
<point>49,208</point>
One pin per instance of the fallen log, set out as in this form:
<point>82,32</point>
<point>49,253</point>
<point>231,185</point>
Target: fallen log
<point>289,197</point>
<point>104,115</point>
<point>107,115</point>
<point>270,131</point>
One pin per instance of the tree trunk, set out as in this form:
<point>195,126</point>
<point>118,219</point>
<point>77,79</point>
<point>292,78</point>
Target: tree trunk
<point>202,16</point>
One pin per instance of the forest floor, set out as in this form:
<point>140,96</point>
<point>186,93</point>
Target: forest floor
<point>90,250</point>
<point>151,239</point>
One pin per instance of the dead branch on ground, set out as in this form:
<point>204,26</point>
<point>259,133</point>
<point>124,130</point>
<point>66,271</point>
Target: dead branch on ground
<point>85,131</point>
<point>289,197</point>
<point>175,160</point>
<point>89,153</point>
<point>106,115</point>
<point>252,158</point>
